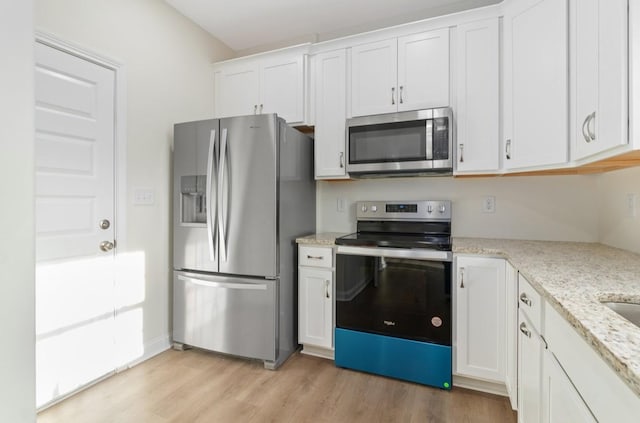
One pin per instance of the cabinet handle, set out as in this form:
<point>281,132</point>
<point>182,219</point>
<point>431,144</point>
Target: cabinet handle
<point>393,95</point>
<point>461,153</point>
<point>462,277</point>
<point>525,299</point>
<point>523,329</point>
<point>314,257</point>
<point>507,149</point>
<point>341,159</point>
<point>255,109</point>
<point>326,288</point>
<point>261,109</point>
<point>591,118</point>
<point>401,101</point>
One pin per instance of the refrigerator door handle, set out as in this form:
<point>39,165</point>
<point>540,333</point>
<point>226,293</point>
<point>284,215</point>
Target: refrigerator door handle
<point>211,213</point>
<point>221,204</point>
<point>226,285</point>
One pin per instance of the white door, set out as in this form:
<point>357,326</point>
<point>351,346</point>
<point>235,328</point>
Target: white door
<point>478,88</point>
<point>530,350</point>
<point>74,158</point>
<point>330,110</point>
<point>282,88</point>
<point>236,90</point>
<point>374,73</point>
<point>600,76</point>
<point>480,318</point>
<point>423,70</point>
<point>561,402</point>
<point>315,301</point>
<point>536,83</point>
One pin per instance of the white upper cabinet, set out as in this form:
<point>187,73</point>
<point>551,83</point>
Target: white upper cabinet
<point>536,112</point>
<point>236,89</point>
<point>478,101</point>
<point>282,88</point>
<point>329,72</point>
<point>599,40</point>
<point>268,84</point>
<point>423,70</point>
<point>374,78</point>
<point>406,73</point>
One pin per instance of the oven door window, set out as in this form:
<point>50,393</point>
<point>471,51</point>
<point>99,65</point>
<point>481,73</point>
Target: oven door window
<point>389,142</point>
<point>396,297</point>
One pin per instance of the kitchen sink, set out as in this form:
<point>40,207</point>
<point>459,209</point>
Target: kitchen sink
<point>629,311</point>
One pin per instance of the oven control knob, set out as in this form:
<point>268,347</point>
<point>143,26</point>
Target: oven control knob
<point>364,208</point>
<point>442,208</point>
<point>374,208</point>
<point>429,208</point>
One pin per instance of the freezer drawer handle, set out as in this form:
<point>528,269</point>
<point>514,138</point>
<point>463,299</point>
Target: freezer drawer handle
<point>227,285</point>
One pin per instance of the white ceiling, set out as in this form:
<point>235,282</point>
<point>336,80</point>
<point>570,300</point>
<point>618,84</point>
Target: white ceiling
<point>249,24</point>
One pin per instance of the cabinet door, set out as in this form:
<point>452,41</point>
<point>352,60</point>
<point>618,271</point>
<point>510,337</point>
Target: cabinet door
<point>236,90</point>
<point>536,83</point>
<point>374,78</point>
<point>478,104</point>
<point>480,318</point>
<point>561,402</point>
<point>315,309</point>
<point>423,70</point>
<point>511,299</point>
<point>600,74</point>
<point>530,348</point>
<point>330,74</point>
<point>282,88</point>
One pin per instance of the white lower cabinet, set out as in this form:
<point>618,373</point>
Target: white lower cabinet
<point>315,300</point>
<point>561,402</point>
<point>480,318</point>
<point>530,349</point>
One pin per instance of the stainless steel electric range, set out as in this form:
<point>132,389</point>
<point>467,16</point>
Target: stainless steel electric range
<point>393,292</point>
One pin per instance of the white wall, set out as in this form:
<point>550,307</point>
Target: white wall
<point>616,227</point>
<point>168,77</point>
<point>17,249</point>
<point>540,207</point>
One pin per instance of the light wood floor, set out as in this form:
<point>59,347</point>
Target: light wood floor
<point>198,386</point>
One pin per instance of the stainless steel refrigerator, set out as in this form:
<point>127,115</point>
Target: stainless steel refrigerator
<point>243,191</point>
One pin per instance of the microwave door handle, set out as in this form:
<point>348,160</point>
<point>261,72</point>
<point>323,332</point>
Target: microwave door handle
<point>429,139</point>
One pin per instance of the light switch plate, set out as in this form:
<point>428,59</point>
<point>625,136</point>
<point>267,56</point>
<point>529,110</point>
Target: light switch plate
<point>144,196</point>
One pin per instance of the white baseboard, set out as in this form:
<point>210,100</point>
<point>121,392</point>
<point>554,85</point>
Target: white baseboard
<point>317,351</point>
<point>151,348</point>
<point>480,385</point>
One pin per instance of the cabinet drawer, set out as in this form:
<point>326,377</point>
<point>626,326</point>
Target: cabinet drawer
<point>315,256</point>
<point>530,302</point>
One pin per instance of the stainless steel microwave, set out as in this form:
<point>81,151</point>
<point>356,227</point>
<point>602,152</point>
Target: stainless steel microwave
<point>416,142</point>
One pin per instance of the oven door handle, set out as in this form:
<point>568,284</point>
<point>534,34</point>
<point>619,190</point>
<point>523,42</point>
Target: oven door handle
<point>408,253</point>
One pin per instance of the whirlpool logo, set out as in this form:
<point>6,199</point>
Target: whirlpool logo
<point>389,323</point>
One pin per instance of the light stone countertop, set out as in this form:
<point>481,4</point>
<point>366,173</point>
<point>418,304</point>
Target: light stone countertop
<point>574,277</point>
<point>323,239</point>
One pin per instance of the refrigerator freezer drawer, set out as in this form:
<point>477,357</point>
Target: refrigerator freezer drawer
<point>226,314</point>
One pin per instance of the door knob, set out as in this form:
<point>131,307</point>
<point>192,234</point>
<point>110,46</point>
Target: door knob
<point>106,246</point>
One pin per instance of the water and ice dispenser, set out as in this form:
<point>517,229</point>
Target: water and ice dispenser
<point>194,199</point>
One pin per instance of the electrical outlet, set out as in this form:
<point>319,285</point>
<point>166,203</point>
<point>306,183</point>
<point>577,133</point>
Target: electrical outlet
<point>631,205</point>
<point>489,204</point>
<point>341,205</point>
